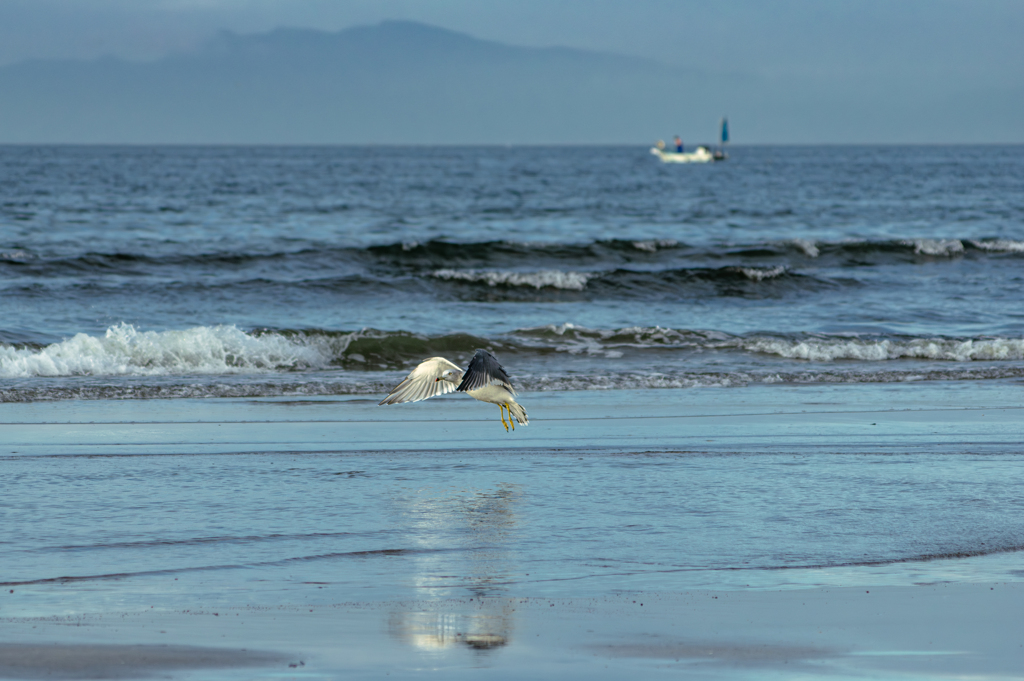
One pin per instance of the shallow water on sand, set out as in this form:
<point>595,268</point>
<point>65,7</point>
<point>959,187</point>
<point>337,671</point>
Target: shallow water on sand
<point>776,490</point>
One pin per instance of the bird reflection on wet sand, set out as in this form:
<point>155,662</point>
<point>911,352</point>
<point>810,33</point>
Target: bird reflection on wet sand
<point>476,525</point>
<point>435,630</point>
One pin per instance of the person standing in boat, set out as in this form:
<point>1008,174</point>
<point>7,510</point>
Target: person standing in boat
<point>679,144</point>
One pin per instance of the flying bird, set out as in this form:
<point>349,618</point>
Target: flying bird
<point>484,379</point>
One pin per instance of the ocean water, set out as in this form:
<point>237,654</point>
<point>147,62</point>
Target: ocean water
<point>801,367</point>
<point>189,272</point>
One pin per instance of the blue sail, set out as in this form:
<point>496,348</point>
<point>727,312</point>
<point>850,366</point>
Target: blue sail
<point>725,130</point>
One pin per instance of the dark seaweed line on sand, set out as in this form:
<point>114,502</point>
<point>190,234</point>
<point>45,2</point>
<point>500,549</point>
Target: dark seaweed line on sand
<point>238,566</point>
<point>923,558</point>
<point>928,557</point>
<point>197,541</point>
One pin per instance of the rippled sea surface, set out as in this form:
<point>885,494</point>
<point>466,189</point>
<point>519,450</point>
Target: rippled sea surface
<point>190,272</point>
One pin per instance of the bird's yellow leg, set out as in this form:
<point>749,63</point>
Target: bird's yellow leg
<point>511,421</point>
<point>502,406</point>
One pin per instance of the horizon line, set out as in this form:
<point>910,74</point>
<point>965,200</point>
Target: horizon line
<point>498,145</point>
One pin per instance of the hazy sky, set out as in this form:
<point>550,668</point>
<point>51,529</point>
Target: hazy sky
<point>955,53</point>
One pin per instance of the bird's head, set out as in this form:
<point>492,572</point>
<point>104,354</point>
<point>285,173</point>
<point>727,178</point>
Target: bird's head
<point>447,376</point>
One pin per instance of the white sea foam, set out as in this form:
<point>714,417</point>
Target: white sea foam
<point>945,247</point>
<point>652,245</point>
<point>809,247</point>
<point>124,351</point>
<point>760,274</point>
<point>634,381</point>
<point>611,343</point>
<point>825,350</point>
<point>628,381</point>
<point>572,281</point>
<point>1000,245</point>
<point>642,336</point>
<point>560,329</point>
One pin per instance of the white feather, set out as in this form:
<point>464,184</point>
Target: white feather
<point>422,383</point>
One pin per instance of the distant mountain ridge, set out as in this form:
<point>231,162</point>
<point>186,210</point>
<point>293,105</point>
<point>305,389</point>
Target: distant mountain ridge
<point>395,82</point>
<point>401,82</point>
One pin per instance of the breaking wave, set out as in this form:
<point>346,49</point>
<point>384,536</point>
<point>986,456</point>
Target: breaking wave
<point>571,281</point>
<point>123,350</point>
<point>440,254</point>
<point>809,248</point>
<point>951,247</point>
<point>762,273</point>
<point>999,245</point>
<point>621,281</point>
<point>227,350</point>
<point>434,255</point>
<point>631,283</point>
<point>942,247</point>
<point>655,245</point>
<point>831,349</point>
<point>808,347</point>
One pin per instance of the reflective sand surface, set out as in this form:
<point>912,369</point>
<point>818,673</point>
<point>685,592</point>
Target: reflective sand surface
<point>725,532</point>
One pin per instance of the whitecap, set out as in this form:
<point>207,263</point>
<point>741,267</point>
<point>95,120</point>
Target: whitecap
<point>559,329</point>
<point>808,246</point>
<point>571,281</point>
<point>652,245</point>
<point>123,351</point>
<point>999,245</point>
<point>831,349</point>
<point>760,274</point>
<point>946,247</point>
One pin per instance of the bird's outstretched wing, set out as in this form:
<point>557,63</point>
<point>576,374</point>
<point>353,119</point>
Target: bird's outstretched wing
<point>422,382</point>
<point>484,370</point>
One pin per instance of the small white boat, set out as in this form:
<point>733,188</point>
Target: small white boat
<point>701,155</point>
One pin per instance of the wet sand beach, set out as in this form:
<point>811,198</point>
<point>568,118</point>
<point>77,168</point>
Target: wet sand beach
<point>935,631</point>
<point>766,532</point>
